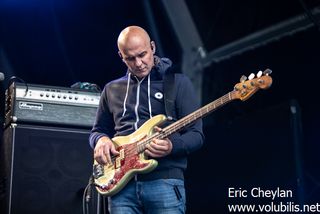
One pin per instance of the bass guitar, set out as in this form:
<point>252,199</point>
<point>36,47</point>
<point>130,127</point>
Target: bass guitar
<point>111,178</point>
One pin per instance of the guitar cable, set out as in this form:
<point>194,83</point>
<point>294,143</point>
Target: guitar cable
<point>87,196</point>
<point>15,78</point>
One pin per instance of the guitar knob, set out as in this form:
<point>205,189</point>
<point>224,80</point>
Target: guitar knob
<point>112,181</point>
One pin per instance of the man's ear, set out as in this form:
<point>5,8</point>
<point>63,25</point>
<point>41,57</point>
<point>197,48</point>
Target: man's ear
<point>153,47</point>
<point>120,55</point>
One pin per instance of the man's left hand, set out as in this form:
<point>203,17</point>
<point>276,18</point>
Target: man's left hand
<point>159,147</point>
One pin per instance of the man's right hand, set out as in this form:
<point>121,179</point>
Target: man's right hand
<point>103,151</point>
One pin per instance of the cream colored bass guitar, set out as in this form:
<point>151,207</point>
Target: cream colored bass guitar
<point>110,179</point>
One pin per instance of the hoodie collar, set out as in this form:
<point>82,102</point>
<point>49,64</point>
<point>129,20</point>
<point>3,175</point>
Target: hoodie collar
<point>160,67</point>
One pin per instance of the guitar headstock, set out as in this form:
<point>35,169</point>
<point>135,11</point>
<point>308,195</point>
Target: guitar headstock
<point>246,88</point>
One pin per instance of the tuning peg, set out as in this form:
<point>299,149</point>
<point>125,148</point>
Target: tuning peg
<point>251,76</point>
<point>243,78</point>
<point>267,72</point>
<point>259,74</point>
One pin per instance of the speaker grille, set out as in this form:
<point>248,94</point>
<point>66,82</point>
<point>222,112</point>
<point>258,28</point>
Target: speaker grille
<point>47,169</point>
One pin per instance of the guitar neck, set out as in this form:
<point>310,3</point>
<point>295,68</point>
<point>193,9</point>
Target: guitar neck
<point>190,118</point>
<point>200,113</point>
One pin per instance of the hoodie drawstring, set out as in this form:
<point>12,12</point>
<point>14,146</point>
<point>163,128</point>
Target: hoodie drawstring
<point>138,94</point>
<point>149,100</point>
<point>125,98</point>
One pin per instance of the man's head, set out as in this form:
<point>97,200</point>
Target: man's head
<point>136,50</point>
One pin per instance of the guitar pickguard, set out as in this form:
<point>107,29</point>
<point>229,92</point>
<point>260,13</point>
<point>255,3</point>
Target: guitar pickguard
<point>111,178</point>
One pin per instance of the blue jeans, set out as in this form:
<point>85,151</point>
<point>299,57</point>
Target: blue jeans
<point>150,197</point>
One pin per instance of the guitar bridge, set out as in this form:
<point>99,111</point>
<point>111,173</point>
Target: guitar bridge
<point>98,171</point>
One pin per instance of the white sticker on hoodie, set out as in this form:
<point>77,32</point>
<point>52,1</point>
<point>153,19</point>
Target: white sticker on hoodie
<point>158,95</point>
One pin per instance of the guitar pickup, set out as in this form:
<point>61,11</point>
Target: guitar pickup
<point>119,159</point>
<point>98,171</point>
<point>121,153</point>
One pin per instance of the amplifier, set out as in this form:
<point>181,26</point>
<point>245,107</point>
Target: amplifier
<point>50,105</point>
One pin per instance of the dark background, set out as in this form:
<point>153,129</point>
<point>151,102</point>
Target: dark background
<point>258,143</point>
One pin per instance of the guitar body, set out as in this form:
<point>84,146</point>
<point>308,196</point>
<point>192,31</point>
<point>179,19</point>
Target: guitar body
<point>110,179</point>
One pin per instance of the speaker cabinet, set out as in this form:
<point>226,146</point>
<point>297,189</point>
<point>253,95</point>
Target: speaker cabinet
<point>44,169</point>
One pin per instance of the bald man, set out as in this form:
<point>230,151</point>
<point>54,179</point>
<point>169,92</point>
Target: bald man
<point>125,105</point>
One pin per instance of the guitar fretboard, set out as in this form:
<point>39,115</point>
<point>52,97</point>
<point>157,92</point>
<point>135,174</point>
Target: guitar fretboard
<point>185,121</point>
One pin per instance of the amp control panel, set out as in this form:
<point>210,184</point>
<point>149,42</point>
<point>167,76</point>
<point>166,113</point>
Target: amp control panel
<point>52,105</point>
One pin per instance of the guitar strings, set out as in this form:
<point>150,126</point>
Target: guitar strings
<point>138,147</point>
<point>187,119</point>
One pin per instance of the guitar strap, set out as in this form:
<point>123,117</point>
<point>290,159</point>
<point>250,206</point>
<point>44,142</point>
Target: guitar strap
<point>170,93</point>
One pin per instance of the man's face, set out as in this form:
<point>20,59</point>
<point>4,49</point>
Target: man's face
<point>137,54</point>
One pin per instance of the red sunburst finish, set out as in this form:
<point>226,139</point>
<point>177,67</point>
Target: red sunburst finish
<point>131,161</point>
